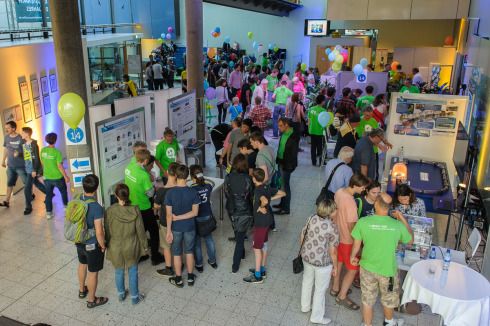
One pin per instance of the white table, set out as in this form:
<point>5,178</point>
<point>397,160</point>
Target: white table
<point>218,186</point>
<point>461,295</point>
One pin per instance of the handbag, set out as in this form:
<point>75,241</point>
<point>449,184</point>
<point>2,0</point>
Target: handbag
<point>298,261</point>
<point>276,180</point>
<point>325,193</point>
<point>226,103</point>
<point>206,227</point>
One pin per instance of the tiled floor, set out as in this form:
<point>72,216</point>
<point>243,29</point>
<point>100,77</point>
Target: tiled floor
<point>38,276</point>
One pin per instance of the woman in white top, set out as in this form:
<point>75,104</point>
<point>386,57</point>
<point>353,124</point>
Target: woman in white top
<point>380,109</point>
<point>310,78</point>
<point>222,100</point>
<point>225,74</point>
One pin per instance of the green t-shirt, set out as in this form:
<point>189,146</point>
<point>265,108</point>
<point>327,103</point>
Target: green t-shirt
<point>282,93</point>
<point>265,62</point>
<point>50,157</point>
<point>367,126</point>
<point>133,160</point>
<point>380,235</point>
<point>413,89</point>
<point>167,153</point>
<point>272,83</point>
<point>314,127</point>
<point>363,101</point>
<point>282,143</point>
<point>138,182</point>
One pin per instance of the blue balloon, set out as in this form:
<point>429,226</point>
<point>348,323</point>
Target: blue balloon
<point>163,35</point>
<point>217,30</point>
<point>358,69</point>
<point>271,46</point>
<point>256,46</point>
<point>328,51</point>
<point>231,64</point>
<point>216,58</point>
<point>364,62</point>
<point>227,39</point>
<point>323,119</point>
<point>332,56</point>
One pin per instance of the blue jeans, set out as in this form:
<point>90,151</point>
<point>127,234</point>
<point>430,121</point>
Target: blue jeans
<point>133,281</point>
<point>189,239</point>
<point>279,111</point>
<point>28,188</point>
<point>50,185</point>
<point>13,172</point>
<point>208,241</point>
<point>285,186</point>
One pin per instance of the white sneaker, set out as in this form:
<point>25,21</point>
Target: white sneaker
<point>324,321</point>
<point>49,215</point>
<point>394,322</point>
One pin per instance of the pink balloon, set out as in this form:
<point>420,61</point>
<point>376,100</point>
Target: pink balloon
<point>345,56</point>
<point>170,29</point>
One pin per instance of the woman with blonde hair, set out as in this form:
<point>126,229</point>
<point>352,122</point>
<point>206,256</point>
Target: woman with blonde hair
<point>319,241</point>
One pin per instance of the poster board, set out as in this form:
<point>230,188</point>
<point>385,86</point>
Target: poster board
<point>426,126</point>
<point>161,109</point>
<point>115,137</point>
<point>182,116</point>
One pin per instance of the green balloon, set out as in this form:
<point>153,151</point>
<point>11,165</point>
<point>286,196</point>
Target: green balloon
<point>339,59</point>
<point>303,66</point>
<point>276,48</point>
<point>160,41</point>
<point>250,35</point>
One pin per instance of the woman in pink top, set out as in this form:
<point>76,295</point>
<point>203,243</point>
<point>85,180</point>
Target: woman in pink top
<point>298,86</point>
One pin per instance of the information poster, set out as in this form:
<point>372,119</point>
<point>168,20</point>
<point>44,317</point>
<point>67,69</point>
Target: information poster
<point>115,138</point>
<point>182,116</point>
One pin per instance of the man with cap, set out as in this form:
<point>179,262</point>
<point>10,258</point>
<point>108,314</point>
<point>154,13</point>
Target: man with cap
<point>347,135</point>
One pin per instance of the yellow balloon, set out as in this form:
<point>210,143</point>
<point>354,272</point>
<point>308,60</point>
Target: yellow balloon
<point>336,52</point>
<point>71,109</point>
<point>303,66</point>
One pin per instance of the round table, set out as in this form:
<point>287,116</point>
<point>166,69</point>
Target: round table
<point>461,295</point>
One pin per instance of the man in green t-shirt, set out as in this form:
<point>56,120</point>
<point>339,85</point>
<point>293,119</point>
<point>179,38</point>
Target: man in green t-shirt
<point>380,235</point>
<point>140,191</point>
<point>54,173</point>
<point>137,145</point>
<point>315,129</point>
<point>167,152</point>
<point>409,88</point>
<point>271,86</point>
<point>365,100</point>
<point>280,95</point>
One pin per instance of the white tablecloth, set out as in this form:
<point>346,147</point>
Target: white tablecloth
<point>461,295</point>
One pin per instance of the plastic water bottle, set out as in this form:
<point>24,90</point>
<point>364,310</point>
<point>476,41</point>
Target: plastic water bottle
<point>432,254</point>
<point>400,156</point>
<point>447,260</point>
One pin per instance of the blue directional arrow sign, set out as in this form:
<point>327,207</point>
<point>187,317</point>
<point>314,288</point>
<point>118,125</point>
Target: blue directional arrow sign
<point>80,164</point>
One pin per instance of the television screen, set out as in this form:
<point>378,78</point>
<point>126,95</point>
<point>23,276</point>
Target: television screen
<point>460,155</point>
<point>316,27</point>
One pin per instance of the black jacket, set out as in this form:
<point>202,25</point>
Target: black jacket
<point>239,191</point>
<point>36,159</point>
<point>289,159</point>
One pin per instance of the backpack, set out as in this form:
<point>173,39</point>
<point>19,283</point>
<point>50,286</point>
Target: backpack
<point>359,206</point>
<point>276,180</point>
<point>76,229</point>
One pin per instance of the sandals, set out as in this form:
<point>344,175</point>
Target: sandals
<point>4,204</point>
<point>99,301</point>
<point>347,303</point>
<point>336,293</point>
<point>357,283</point>
<point>82,295</point>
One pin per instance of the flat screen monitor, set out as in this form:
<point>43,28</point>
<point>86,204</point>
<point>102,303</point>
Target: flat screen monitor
<point>317,27</point>
<point>460,155</point>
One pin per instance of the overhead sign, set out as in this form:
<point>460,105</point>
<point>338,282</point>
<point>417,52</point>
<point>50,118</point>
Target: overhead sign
<point>80,164</point>
<point>362,78</point>
<point>76,136</point>
<point>29,11</point>
<point>78,178</point>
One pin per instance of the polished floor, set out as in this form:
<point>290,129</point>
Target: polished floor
<point>38,276</point>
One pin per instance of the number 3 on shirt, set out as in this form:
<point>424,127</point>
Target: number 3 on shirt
<point>204,198</point>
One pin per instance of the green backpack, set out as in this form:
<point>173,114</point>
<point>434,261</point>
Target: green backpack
<point>76,229</point>
<point>359,206</point>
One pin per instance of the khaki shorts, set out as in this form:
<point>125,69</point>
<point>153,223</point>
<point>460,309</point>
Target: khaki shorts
<point>163,237</point>
<point>372,282</point>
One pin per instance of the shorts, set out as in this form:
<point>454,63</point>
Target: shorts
<point>371,282</point>
<point>188,238</point>
<point>163,237</point>
<point>13,173</point>
<point>344,251</point>
<point>261,235</point>
<point>93,258</point>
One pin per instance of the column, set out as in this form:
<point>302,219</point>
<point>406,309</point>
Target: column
<point>195,65</point>
<point>70,67</point>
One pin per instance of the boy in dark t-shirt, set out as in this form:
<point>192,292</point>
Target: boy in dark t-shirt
<point>263,195</point>
<point>246,149</point>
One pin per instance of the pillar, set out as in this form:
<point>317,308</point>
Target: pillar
<point>70,67</point>
<point>195,65</point>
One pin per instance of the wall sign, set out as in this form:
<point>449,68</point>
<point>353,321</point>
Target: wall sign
<point>80,164</point>
<point>29,11</point>
<point>78,178</point>
<point>77,136</point>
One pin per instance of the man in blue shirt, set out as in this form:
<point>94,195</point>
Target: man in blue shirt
<point>343,173</point>
<point>91,252</point>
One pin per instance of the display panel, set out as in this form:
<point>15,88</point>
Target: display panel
<point>316,27</point>
<point>460,155</point>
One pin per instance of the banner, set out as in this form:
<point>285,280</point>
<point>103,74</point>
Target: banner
<point>29,11</point>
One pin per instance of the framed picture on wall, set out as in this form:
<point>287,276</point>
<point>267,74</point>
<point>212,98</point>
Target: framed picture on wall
<point>24,91</point>
<point>26,107</point>
<point>44,85</point>
<point>47,105</point>
<point>53,83</point>
<point>38,112</point>
<point>9,114</point>
<point>35,88</point>
<point>18,113</point>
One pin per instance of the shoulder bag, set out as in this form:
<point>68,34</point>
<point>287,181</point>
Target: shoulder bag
<point>325,193</point>
<point>276,180</point>
<point>206,227</point>
<point>226,103</point>
<point>298,261</point>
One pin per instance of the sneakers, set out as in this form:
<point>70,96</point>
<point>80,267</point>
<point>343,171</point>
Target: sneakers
<point>213,265</point>
<point>324,321</point>
<point>190,279</point>
<point>49,215</point>
<point>274,230</point>
<point>199,268</point>
<point>277,206</point>
<point>165,272</point>
<point>232,239</point>
<point>263,274</point>
<point>394,322</point>
<point>253,279</point>
<point>122,296</point>
<point>32,197</point>
<point>138,299</point>
<point>177,282</point>
<point>28,211</point>
<point>145,257</point>
<point>233,271</point>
